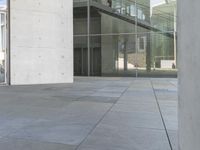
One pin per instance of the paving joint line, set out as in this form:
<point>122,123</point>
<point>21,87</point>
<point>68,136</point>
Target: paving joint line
<point>95,126</point>
<point>163,121</point>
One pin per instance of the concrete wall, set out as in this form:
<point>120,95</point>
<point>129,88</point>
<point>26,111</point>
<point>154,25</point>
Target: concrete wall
<point>41,41</point>
<point>189,74</point>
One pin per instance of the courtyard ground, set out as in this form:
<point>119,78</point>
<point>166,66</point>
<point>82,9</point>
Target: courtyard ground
<point>99,113</point>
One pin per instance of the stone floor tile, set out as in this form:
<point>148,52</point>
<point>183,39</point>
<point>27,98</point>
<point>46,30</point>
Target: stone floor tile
<point>136,119</point>
<point>173,135</point>
<point>107,94</point>
<point>24,144</point>
<point>136,107</point>
<point>102,113</point>
<point>114,138</point>
<point>54,133</point>
<point>100,99</point>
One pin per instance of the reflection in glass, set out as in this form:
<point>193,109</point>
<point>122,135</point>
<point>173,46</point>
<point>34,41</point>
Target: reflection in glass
<point>80,56</point>
<point>3,8</point>
<point>127,37</point>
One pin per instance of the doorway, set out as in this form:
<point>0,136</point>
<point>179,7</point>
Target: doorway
<point>81,61</point>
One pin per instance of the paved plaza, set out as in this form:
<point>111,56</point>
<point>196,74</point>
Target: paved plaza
<point>92,114</point>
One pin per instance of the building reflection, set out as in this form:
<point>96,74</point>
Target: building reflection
<point>125,38</point>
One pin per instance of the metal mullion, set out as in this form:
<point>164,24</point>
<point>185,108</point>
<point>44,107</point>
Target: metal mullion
<point>136,42</point>
<point>88,34</point>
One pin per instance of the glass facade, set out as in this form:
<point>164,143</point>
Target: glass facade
<point>125,38</point>
<point>3,40</point>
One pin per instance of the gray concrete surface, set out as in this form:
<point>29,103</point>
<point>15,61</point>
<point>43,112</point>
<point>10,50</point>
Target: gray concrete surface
<point>189,83</point>
<point>91,114</point>
<point>41,41</point>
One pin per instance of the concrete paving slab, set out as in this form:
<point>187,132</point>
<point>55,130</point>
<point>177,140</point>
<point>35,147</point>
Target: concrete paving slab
<point>167,96</point>
<point>113,89</point>
<point>55,133</point>
<point>62,116</point>
<point>107,137</point>
<point>170,114</point>
<point>136,119</point>
<point>173,135</point>
<point>24,144</point>
<point>136,99</point>
<point>99,99</point>
<point>33,112</point>
<point>136,107</point>
<point>11,125</point>
<point>107,94</point>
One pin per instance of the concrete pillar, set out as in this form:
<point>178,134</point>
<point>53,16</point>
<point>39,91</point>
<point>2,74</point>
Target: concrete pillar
<point>41,41</point>
<point>189,74</point>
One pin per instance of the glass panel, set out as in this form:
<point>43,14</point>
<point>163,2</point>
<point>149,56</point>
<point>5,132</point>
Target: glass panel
<point>104,20</point>
<point>3,41</point>
<point>113,55</point>
<point>128,37</point>
<point>109,54</point>
<point>96,56</point>
<point>80,56</point>
<point>160,56</point>
<point>129,53</point>
<point>163,15</point>
<point>80,17</point>
<point>80,37</point>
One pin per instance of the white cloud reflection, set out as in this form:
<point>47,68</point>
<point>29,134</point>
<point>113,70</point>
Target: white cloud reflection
<point>157,2</point>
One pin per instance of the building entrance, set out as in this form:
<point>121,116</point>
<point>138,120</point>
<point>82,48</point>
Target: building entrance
<point>126,38</point>
<point>81,61</point>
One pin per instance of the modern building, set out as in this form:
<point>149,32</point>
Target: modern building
<point>124,38</point>
<point>111,38</point>
<point>164,51</point>
<point>41,44</point>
